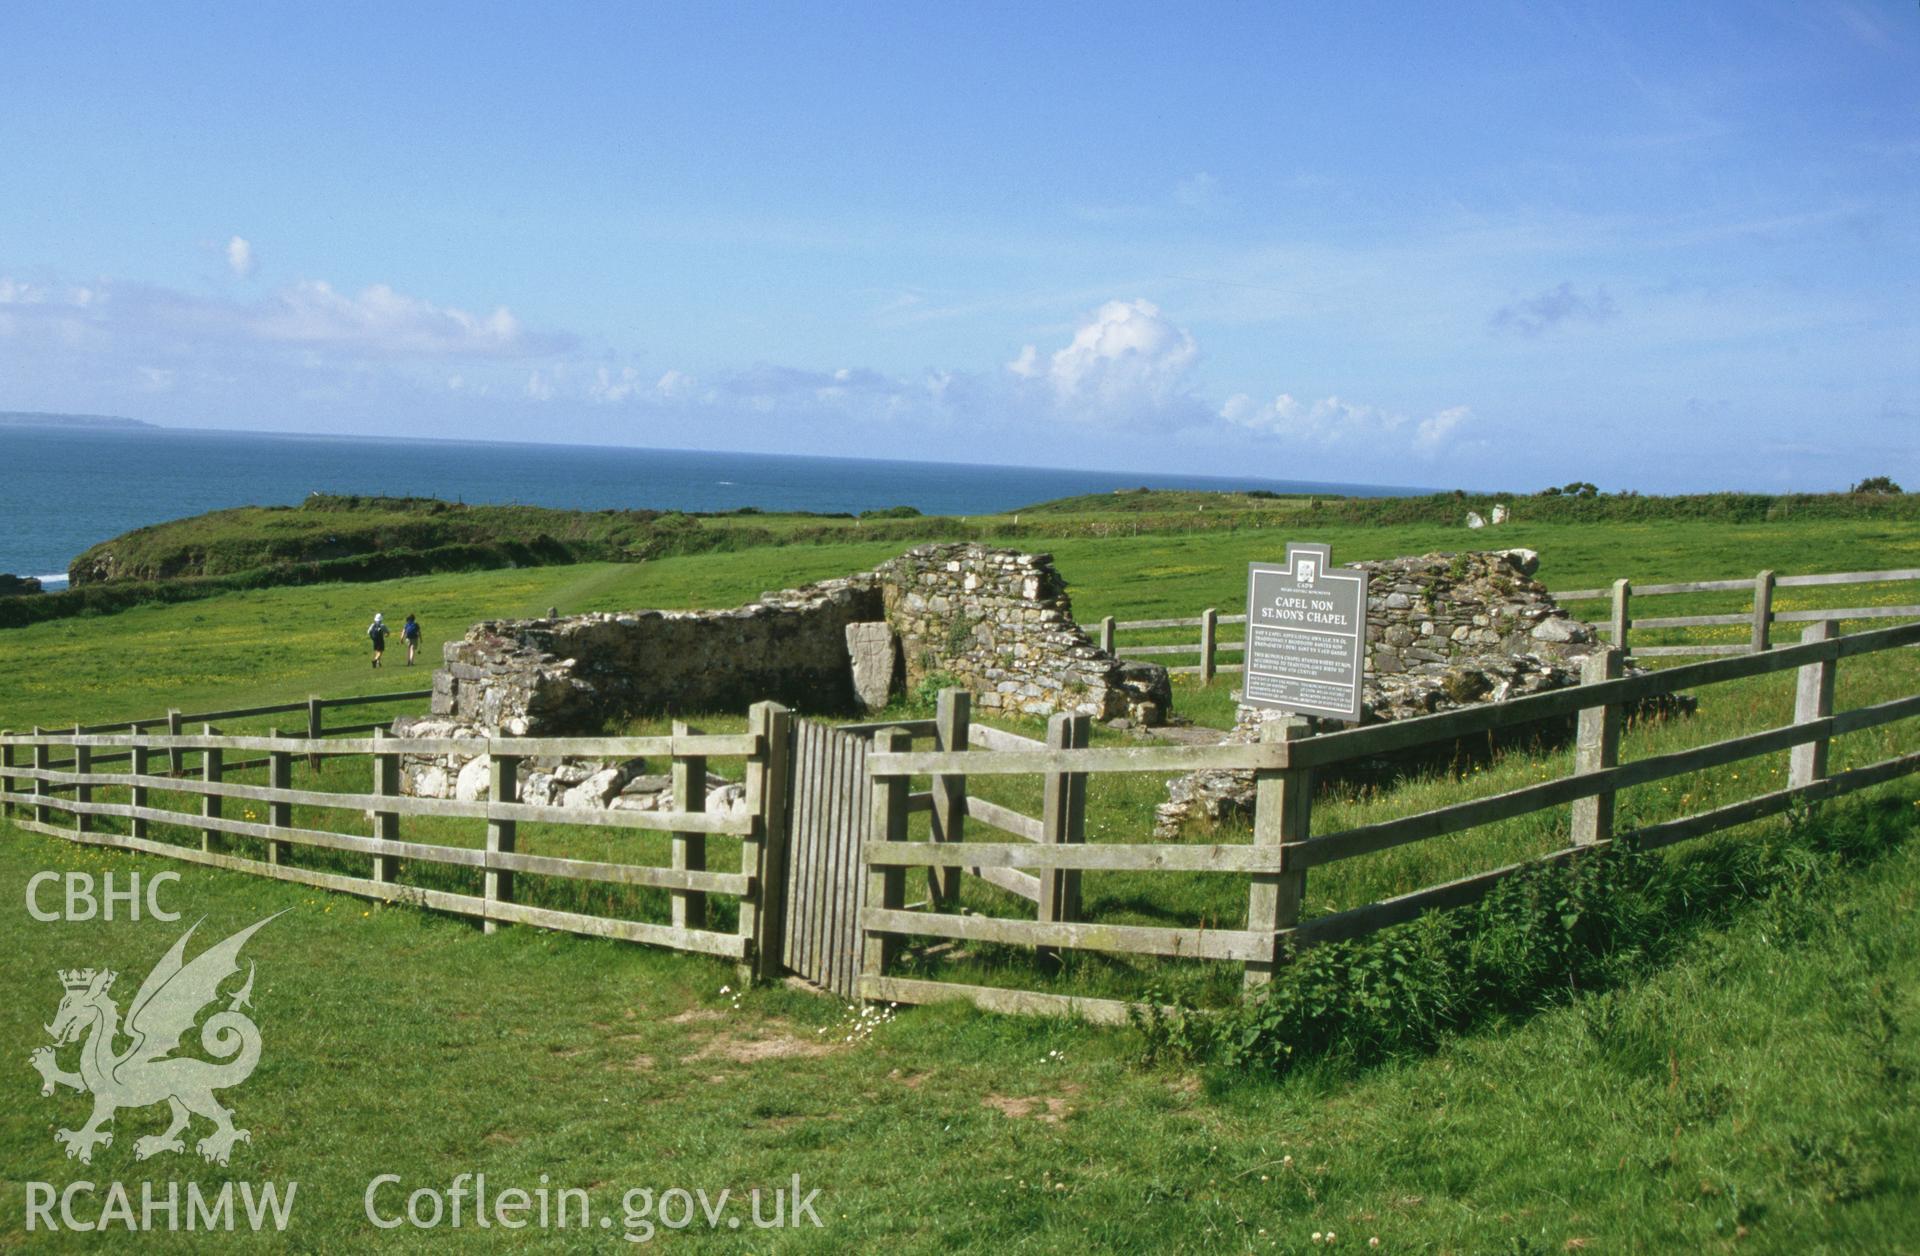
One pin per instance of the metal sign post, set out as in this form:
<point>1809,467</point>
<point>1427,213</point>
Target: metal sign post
<point>1306,631</point>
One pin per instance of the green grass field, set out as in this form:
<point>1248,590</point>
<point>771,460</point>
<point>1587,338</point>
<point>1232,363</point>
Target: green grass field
<point>1750,1088</point>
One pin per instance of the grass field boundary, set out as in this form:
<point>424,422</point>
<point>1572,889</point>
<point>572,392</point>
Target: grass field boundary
<point>1282,849</point>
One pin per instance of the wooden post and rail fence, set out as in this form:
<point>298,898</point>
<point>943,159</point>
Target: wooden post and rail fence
<point>1616,628</point>
<point>1284,848</point>
<point>1757,620</point>
<point>70,789</point>
<point>827,843</point>
<point>176,722</point>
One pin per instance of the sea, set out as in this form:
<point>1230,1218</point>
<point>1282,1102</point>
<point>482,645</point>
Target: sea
<point>64,489</point>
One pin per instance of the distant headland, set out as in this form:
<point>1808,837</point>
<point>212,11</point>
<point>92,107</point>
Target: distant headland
<point>36,418</point>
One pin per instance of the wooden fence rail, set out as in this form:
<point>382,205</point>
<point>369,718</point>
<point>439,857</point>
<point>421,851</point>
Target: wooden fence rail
<point>72,787</point>
<point>1283,848</point>
<point>1209,647</point>
<point>1759,616</point>
<point>1616,627</point>
<point>313,708</point>
<point>114,783</point>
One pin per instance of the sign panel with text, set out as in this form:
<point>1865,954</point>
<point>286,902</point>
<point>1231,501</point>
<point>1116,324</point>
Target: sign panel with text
<point>1306,626</point>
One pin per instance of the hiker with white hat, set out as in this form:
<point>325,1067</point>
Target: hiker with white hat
<point>377,632</point>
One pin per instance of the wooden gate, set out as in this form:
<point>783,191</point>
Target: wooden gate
<point>828,816</point>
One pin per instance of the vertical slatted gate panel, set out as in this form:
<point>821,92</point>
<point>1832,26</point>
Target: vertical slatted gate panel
<point>849,940</point>
<point>826,803</point>
<point>825,886</point>
<point>803,848</point>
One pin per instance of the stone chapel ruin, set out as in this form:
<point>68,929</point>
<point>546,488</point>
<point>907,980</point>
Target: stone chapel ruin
<point>996,622</point>
<point>1443,631</point>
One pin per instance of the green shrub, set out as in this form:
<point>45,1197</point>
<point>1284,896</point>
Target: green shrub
<point>1535,940</point>
<point>926,694</point>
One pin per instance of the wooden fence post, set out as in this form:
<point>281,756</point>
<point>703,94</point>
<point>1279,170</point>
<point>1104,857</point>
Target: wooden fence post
<point>7,784</point>
<point>82,765</point>
<point>1063,818</point>
<point>886,887</point>
<point>279,814</point>
<point>503,786</point>
<point>1106,635</point>
<point>211,767</point>
<point>763,853</point>
<point>1762,611</point>
<point>314,730</point>
<point>386,824</point>
<point>1282,815</point>
<point>176,757</point>
<point>42,788</point>
<point>953,724</point>
<point>689,849</point>
<point>139,763</point>
<point>1209,644</point>
<point>1622,621</point>
<point>1812,700</point>
<point>1596,747</point>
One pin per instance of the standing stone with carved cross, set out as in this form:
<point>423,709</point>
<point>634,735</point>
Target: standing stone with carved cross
<point>875,656</point>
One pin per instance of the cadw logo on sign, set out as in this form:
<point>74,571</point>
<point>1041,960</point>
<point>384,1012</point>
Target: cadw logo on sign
<point>168,1003</point>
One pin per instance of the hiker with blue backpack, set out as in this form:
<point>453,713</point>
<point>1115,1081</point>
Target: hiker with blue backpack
<point>410,633</point>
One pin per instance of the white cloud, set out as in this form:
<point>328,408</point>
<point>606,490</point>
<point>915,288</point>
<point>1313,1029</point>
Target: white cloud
<point>611,387</point>
<point>378,323</point>
<point>1335,422</point>
<point>19,292</point>
<point>1127,357</point>
<point>1433,432</point>
<point>676,384</point>
<point>1125,366</point>
<point>240,256</point>
<point>384,322</point>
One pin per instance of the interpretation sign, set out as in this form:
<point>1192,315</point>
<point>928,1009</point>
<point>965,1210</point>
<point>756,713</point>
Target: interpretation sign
<point>1306,621</point>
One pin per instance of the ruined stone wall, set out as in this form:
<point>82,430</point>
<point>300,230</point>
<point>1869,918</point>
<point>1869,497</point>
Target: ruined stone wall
<point>551,677</point>
<point>998,622</point>
<point>1428,613</point>
<point>1444,631</point>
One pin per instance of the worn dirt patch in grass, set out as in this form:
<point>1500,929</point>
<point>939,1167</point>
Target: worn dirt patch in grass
<point>796,1120</point>
<point>778,1044</point>
<point>693,1015</point>
<point>1049,1109</point>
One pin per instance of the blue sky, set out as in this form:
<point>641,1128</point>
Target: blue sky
<point>1661,246</point>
